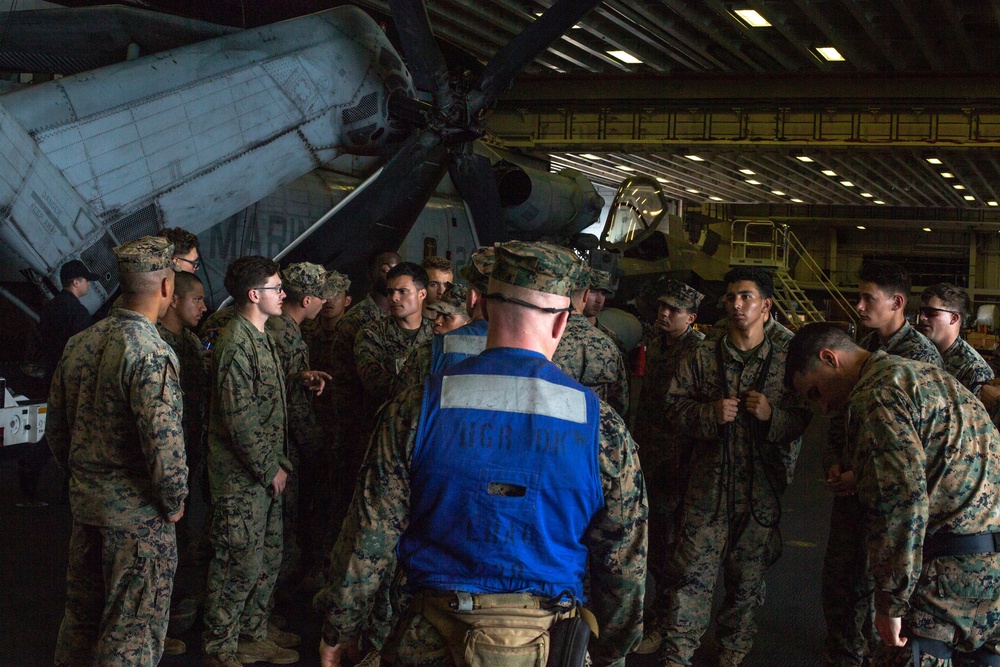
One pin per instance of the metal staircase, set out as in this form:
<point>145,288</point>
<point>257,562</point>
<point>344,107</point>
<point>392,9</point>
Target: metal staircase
<point>765,244</point>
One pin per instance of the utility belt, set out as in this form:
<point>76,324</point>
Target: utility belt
<point>950,544</point>
<point>509,629</point>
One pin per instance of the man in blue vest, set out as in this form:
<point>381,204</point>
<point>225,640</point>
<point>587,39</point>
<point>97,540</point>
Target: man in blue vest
<point>501,476</point>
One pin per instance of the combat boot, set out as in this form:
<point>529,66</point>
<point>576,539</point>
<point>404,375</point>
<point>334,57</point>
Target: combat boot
<point>282,638</point>
<point>173,646</point>
<point>220,660</point>
<point>249,651</point>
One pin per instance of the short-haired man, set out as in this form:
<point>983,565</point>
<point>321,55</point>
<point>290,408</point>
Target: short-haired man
<point>381,347</point>
<point>449,311</point>
<point>248,469</point>
<point>728,397</point>
<point>304,285</point>
<point>589,356</point>
<point>440,274</point>
<point>448,349</point>
<point>944,309</point>
<point>602,288</point>
<point>114,426</point>
<point>175,328</point>
<point>928,478</point>
<point>665,455</point>
<point>186,255</point>
<point>502,479</point>
<point>883,290</point>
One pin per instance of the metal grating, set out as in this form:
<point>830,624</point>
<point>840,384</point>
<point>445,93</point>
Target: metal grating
<point>100,258</point>
<point>388,60</point>
<point>365,108</point>
<point>143,222</point>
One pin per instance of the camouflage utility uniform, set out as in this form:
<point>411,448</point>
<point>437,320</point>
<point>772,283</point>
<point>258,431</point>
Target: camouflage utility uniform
<point>732,504</point>
<point>615,338</point>
<point>846,584</point>
<point>926,456</point>
<point>380,514</point>
<point>194,373</point>
<point>246,447</point>
<point>114,427</point>
<point>967,365</point>
<point>380,349</point>
<point>592,359</point>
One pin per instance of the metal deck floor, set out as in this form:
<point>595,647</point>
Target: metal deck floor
<point>33,543</point>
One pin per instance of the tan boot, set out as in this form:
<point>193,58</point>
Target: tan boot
<point>220,660</point>
<point>173,646</point>
<point>282,638</point>
<point>264,650</point>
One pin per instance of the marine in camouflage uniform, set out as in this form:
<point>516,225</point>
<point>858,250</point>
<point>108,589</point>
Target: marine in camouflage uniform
<point>115,428</point>
<point>246,459</point>
<point>847,601</point>
<point>305,287</point>
<point>381,512</point>
<point>591,358</point>
<point>665,456</point>
<point>944,309</point>
<point>602,287</point>
<point>746,436</point>
<point>925,453</point>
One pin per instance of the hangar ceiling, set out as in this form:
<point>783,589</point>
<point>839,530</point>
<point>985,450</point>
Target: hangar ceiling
<point>908,119</point>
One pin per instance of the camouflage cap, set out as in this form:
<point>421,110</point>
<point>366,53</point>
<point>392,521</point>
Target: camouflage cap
<point>304,278</point>
<point>336,283</point>
<point>145,255</point>
<point>452,303</point>
<point>477,271</point>
<point>542,267</point>
<point>677,294</point>
<point>601,280</point>
<point>583,280</point>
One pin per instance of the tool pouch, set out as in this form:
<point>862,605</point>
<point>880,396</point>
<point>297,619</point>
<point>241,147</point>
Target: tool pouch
<point>568,640</point>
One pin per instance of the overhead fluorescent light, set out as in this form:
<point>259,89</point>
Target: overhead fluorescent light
<point>625,57</point>
<point>589,156</point>
<point>991,203</point>
<point>752,18</point>
<point>867,195</point>
<point>695,158</point>
<point>927,229</point>
<point>861,227</point>
<point>969,198</point>
<point>803,158</point>
<point>847,184</point>
<point>662,180</point>
<point>778,192</point>
<point>830,53</point>
<point>958,186</point>
<point>829,172</point>
<point>797,201</point>
<point>752,181</point>
<point>623,167</point>
<point>715,198</point>
<point>934,160</point>
<point>947,174</point>
<point>879,201</point>
<point>748,172</point>
<point>691,190</point>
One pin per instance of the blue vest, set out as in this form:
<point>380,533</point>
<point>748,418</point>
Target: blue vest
<point>504,478</point>
<point>458,345</point>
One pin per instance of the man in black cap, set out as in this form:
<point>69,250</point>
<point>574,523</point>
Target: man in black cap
<point>64,316</point>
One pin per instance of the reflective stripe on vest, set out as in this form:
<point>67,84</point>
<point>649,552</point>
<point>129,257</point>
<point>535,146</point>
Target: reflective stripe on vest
<point>458,345</point>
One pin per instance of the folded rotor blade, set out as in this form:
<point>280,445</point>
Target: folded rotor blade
<point>511,59</point>
<point>473,178</point>
<point>423,56</point>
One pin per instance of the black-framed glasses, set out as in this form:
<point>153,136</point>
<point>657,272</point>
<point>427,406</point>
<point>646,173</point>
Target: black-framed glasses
<point>276,288</point>
<point>930,311</point>
<point>195,263</point>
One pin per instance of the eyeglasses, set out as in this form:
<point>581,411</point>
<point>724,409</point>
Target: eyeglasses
<point>930,311</point>
<point>195,263</point>
<point>276,288</point>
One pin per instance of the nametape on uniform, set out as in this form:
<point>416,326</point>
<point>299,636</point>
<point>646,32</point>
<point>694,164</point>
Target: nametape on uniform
<point>505,393</point>
<point>464,344</point>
